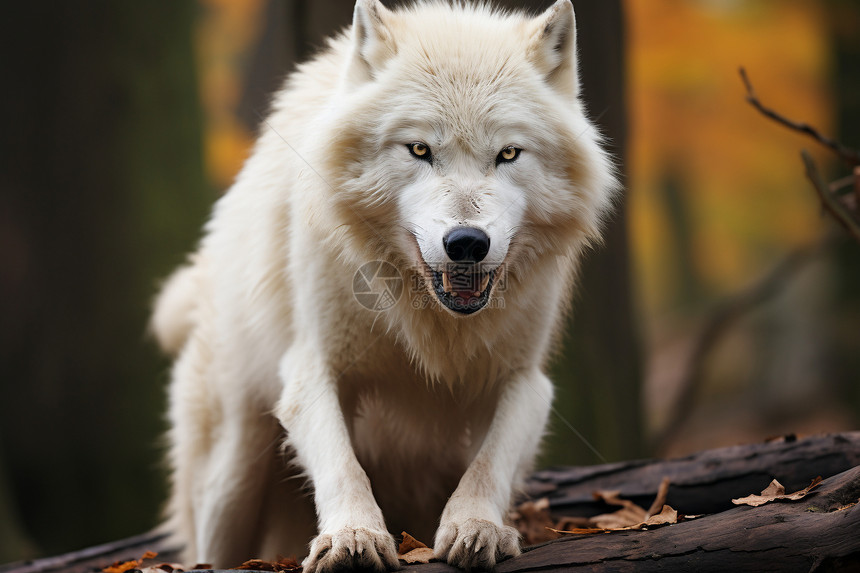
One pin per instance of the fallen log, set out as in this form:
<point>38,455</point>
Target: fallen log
<point>819,533</point>
<point>97,557</point>
<point>704,482</point>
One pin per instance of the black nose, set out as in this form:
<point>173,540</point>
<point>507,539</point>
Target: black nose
<point>467,245</point>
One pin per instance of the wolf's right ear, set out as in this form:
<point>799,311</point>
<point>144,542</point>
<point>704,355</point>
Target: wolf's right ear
<point>372,42</point>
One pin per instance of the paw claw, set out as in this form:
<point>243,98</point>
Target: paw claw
<point>476,543</point>
<point>352,548</point>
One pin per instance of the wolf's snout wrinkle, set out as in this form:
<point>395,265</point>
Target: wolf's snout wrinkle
<point>466,245</point>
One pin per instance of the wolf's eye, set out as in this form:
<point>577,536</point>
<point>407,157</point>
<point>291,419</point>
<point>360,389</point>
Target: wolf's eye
<point>508,154</point>
<point>420,150</point>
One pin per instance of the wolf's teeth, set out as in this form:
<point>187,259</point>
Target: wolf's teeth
<point>446,282</point>
<point>484,283</point>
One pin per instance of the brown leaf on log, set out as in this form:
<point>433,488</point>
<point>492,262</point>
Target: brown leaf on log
<point>533,521</point>
<point>413,551</point>
<point>535,524</point>
<point>166,567</point>
<point>774,492</point>
<point>123,566</point>
<point>279,566</point>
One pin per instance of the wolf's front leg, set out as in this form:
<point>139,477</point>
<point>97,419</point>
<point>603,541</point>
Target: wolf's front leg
<point>471,533</point>
<point>352,531</point>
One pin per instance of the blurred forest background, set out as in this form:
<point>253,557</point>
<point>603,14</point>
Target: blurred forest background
<point>124,121</point>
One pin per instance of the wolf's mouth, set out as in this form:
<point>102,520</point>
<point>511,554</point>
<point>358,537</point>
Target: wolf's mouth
<point>464,289</point>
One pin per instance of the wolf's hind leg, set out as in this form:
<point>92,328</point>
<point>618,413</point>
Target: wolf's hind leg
<point>289,520</point>
<point>231,488</point>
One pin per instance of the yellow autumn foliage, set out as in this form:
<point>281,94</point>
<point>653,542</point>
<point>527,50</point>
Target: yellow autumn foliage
<point>741,179</point>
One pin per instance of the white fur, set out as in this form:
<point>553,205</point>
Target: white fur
<point>397,417</point>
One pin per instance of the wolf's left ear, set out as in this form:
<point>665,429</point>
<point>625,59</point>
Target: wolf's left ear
<point>372,42</point>
<point>553,47</point>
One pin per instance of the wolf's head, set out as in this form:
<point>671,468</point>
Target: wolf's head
<point>461,148</point>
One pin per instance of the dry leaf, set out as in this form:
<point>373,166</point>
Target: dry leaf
<point>282,564</point>
<point>408,544</point>
<point>535,524</point>
<point>580,530</point>
<point>844,507</point>
<point>413,551</point>
<point>629,514</point>
<point>288,564</point>
<point>533,521</point>
<point>164,568</point>
<point>123,566</point>
<point>629,517</point>
<point>420,555</point>
<point>775,491</point>
<point>667,516</point>
<point>625,519</point>
<point>660,501</point>
<point>574,523</point>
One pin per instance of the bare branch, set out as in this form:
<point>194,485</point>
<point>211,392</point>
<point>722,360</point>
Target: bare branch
<point>830,203</point>
<point>840,186</point>
<point>852,156</point>
<point>720,322</point>
<point>857,184</point>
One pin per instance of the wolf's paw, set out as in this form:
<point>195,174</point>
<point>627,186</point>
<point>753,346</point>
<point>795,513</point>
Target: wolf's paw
<point>352,548</point>
<point>476,543</point>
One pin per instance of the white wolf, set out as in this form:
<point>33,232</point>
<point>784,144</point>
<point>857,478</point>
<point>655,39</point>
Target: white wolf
<point>449,142</point>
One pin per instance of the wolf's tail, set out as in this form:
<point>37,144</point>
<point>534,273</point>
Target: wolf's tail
<point>175,309</point>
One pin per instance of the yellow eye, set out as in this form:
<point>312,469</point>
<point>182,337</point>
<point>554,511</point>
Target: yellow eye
<point>508,154</point>
<point>419,150</point>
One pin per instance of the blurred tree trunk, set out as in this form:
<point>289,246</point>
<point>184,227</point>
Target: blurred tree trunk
<point>598,374</point>
<point>845,22</point>
<point>14,544</point>
<point>101,190</point>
